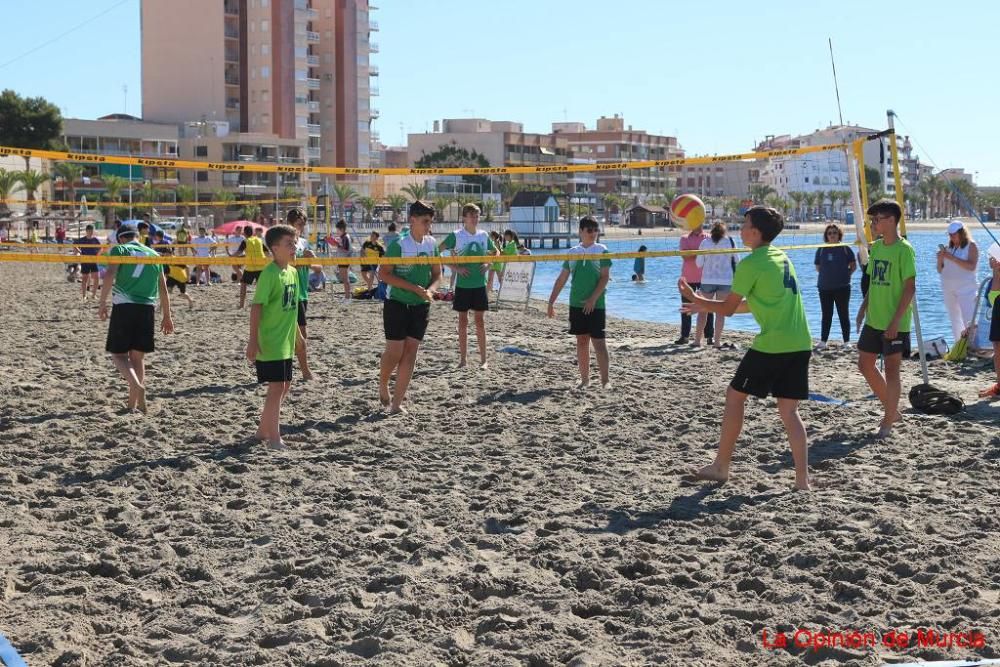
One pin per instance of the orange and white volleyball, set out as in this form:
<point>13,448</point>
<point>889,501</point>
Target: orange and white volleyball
<point>687,211</point>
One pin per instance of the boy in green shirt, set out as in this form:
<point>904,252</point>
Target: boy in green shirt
<point>297,218</point>
<point>470,288</point>
<point>887,310</point>
<point>777,363</point>
<point>135,288</point>
<point>586,301</point>
<point>274,332</point>
<point>406,312</point>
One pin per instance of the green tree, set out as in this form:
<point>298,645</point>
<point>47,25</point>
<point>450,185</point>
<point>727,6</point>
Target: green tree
<point>29,122</point>
<point>452,156</point>
<point>759,192</point>
<point>224,199</point>
<point>873,183</point>
<point>488,206</point>
<point>69,173</point>
<point>441,204</point>
<point>367,205</point>
<point>113,186</point>
<point>732,206</point>
<point>819,199</point>
<point>183,193</point>
<point>345,195</point>
<point>509,189</point>
<point>31,180</point>
<point>797,198</point>
<point>250,211</point>
<point>9,182</point>
<point>398,203</point>
<point>416,191</point>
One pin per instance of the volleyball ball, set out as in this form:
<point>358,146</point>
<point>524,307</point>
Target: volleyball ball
<point>687,211</point>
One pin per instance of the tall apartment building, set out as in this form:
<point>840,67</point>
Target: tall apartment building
<point>281,73</point>
<point>612,142</point>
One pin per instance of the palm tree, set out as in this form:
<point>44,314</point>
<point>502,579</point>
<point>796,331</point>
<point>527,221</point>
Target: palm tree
<point>367,205</point>
<point>732,206</point>
<point>796,198</point>
<point>250,211</point>
<point>345,194</point>
<point>509,190</point>
<point>183,193</point>
<point>31,180</point>
<point>759,192</point>
<point>69,173</point>
<point>819,198</point>
<point>224,199</point>
<point>776,202</point>
<point>441,204</point>
<point>113,185</point>
<point>416,191</point>
<point>397,202</point>
<point>489,205</point>
<point>9,182</point>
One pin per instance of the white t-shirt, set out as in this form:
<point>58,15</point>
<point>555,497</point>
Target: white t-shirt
<point>716,269</point>
<point>204,245</point>
<point>233,242</point>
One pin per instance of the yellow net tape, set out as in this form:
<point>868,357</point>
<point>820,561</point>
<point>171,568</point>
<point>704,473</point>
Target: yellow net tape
<point>391,261</point>
<point>168,163</point>
<point>145,204</point>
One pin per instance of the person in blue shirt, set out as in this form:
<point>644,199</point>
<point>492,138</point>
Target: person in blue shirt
<point>834,268</point>
<point>639,267</point>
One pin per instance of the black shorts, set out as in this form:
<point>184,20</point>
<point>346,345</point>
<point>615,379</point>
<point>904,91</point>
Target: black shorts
<point>173,282</point>
<point>250,277</point>
<point>470,298</point>
<point>369,267</point>
<point>995,323</point>
<point>274,371</point>
<point>401,321</point>
<point>88,268</point>
<point>871,340</point>
<point>130,328</point>
<point>302,312</point>
<point>586,325</point>
<point>781,374</point>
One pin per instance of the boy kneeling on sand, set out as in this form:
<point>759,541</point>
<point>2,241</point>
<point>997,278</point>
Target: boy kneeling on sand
<point>274,330</point>
<point>777,363</point>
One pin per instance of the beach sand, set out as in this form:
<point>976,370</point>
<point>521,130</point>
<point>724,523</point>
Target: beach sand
<point>507,520</point>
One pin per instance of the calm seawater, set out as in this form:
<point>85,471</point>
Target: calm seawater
<point>658,301</point>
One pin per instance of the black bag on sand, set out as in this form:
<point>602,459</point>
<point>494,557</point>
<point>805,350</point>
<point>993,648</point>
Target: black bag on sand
<point>933,401</point>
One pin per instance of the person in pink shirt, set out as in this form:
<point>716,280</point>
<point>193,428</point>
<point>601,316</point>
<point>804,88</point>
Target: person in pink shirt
<point>691,272</point>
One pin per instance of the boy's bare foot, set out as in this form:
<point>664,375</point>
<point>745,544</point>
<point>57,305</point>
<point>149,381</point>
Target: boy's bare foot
<point>483,365</point>
<point>583,384</point>
<point>140,404</point>
<point>277,445</point>
<point>396,410</point>
<point>885,426</point>
<point>711,473</point>
<point>383,396</point>
<point>606,385</point>
<point>306,376</point>
<point>462,363</point>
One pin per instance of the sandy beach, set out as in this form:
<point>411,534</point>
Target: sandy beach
<point>507,520</point>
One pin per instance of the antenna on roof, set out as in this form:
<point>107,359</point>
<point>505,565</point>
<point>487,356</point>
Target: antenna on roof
<point>836,86</point>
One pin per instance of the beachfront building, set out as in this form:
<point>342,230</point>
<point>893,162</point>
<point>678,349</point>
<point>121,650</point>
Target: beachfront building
<point>611,141</point>
<point>500,143</point>
<point>266,75</point>
<point>533,212</point>
<point>725,179</point>
<point>120,134</point>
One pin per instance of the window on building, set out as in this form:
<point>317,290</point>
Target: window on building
<point>253,50</point>
<point>202,175</point>
<point>265,96</point>
<point>265,72</point>
<point>264,25</point>
<point>601,149</point>
<point>265,50</point>
<point>201,151</point>
<point>263,4</point>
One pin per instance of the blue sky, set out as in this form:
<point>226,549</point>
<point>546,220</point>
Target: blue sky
<point>718,79</point>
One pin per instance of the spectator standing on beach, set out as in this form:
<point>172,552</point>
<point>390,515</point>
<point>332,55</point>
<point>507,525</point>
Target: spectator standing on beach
<point>253,249</point>
<point>371,250</point>
<point>834,268</point>
<point>691,273</point>
<point>182,237</point>
<point>406,312</point>
<point>134,289</point>
<point>959,284</point>
<point>886,311</point>
<point>204,247</point>
<point>235,241</point>
<point>342,248</point>
<point>716,280</point>
<point>590,279</point>
<point>496,267</point>
<point>390,236</point>
<point>88,246</point>
<point>777,362</point>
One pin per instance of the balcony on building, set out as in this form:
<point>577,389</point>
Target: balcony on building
<point>373,26</point>
<point>312,84</point>
<point>233,103</point>
<point>314,129</point>
<point>313,152</point>
<point>232,55</point>
<point>313,106</point>
<point>374,113</point>
<point>373,70</point>
<point>312,61</point>
<point>231,7</point>
<point>373,91</point>
<point>373,47</point>
<point>232,30</point>
<point>232,79</point>
<point>312,36</point>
